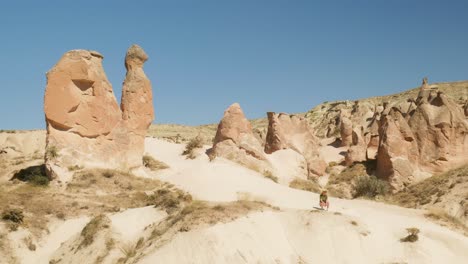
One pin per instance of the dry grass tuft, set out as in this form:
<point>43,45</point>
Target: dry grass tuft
<point>92,228</point>
<point>349,174</point>
<point>268,174</point>
<point>51,152</point>
<point>153,164</point>
<point>430,190</point>
<point>129,250</point>
<point>90,192</point>
<point>443,218</point>
<point>305,185</point>
<point>412,235</point>
<point>169,200</point>
<point>13,215</point>
<point>194,143</point>
<point>200,213</point>
<point>75,168</point>
<point>370,186</point>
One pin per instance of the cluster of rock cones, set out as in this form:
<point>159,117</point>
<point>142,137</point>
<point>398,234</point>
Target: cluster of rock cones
<point>236,141</point>
<point>408,141</point>
<point>87,128</point>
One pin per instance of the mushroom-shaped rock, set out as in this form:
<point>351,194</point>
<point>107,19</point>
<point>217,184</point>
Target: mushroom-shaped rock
<point>346,131</point>
<point>85,125</point>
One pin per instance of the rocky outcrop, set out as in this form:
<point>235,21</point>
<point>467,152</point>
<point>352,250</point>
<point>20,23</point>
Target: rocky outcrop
<point>85,125</point>
<point>293,132</point>
<point>236,141</point>
<point>357,152</point>
<point>433,137</point>
<point>137,102</point>
<point>397,152</point>
<point>346,131</point>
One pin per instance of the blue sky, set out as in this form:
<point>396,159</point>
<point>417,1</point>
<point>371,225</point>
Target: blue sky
<point>282,56</point>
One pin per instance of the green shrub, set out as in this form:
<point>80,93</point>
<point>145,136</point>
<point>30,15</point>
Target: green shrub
<point>36,175</point>
<point>13,215</point>
<point>369,186</point>
<point>153,164</point>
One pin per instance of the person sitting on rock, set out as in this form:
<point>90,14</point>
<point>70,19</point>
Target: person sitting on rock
<point>324,200</point>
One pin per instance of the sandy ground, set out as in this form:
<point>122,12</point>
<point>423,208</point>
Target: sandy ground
<point>352,231</point>
<point>284,237</point>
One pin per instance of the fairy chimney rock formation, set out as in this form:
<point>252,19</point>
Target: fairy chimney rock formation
<point>85,125</point>
<point>434,137</point>
<point>346,131</point>
<point>293,132</point>
<point>236,141</point>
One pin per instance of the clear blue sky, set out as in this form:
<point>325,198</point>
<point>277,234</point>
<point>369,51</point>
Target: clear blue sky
<point>283,56</point>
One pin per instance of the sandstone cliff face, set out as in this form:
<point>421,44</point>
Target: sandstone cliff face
<point>236,141</point>
<point>293,132</point>
<point>85,125</point>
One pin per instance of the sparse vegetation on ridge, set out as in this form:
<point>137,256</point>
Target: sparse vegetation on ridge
<point>431,189</point>
<point>92,228</point>
<point>444,219</point>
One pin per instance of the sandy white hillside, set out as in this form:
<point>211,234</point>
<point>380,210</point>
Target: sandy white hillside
<point>291,231</point>
<point>293,235</point>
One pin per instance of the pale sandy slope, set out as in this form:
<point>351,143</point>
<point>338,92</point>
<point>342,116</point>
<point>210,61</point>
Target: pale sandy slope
<point>295,234</point>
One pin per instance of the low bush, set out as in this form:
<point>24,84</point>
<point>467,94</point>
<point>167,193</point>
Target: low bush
<point>153,164</point>
<point>369,186</point>
<point>36,175</point>
<point>108,173</point>
<point>13,215</point>
<point>194,143</point>
<point>348,175</point>
<point>412,235</point>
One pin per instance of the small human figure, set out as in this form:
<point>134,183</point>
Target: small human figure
<point>324,200</point>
